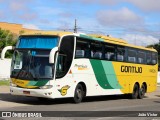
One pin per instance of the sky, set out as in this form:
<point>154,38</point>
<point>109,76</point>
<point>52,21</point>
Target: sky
<point>136,21</point>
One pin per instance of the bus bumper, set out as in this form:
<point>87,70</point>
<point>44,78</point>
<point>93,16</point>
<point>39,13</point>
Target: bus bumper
<point>46,93</point>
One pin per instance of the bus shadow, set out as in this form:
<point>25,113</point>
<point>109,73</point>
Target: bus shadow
<point>108,98</point>
<point>158,95</point>
<point>6,97</point>
<point>157,101</point>
<point>35,101</point>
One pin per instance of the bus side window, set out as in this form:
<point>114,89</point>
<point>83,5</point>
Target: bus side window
<point>154,58</point>
<point>96,50</point>
<point>80,53</point>
<point>109,52</point>
<point>148,58</point>
<point>120,53</point>
<point>141,57</point>
<point>98,55</point>
<point>132,55</point>
<point>82,49</point>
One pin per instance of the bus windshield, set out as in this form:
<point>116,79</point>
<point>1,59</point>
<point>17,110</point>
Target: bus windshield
<point>31,65</point>
<point>31,57</point>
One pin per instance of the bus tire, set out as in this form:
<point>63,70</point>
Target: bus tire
<point>142,92</point>
<point>135,92</point>
<point>78,94</point>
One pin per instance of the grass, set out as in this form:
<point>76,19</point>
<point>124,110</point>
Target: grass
<point>4,82</point>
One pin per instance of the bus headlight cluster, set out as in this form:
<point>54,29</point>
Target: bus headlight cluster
<point>13,85</point>
<point>46,87</point>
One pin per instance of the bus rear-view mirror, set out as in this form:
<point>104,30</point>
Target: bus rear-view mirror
<point>5,50</point>
<point>52,55</point>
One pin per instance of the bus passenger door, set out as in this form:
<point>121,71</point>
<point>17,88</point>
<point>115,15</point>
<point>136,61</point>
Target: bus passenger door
<point>65,57</point>
<point>60,68</point>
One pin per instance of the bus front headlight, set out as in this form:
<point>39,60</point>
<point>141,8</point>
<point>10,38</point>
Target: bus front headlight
<point>46,87</point>
<point>13,85</point>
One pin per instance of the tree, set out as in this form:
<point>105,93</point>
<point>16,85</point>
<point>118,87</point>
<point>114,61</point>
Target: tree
<point>7,39</point>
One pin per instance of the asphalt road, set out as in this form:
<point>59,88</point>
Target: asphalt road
<point>92,108</point>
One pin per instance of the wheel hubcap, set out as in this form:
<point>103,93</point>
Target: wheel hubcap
<point>79,95</point>
<point>142,91</point>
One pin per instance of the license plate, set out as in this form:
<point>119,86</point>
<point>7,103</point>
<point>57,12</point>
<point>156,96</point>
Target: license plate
<point>26,92</point>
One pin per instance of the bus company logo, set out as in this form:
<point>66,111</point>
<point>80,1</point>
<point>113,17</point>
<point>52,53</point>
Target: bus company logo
<point>63,90</point>
<point>81,67</point>
<point>152,70</point>
<point>131,69</point>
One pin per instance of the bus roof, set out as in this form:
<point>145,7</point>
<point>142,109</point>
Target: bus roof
<point>96,37</point>
<point>40,32</point>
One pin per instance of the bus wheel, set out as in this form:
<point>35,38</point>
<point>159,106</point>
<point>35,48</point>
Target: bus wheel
<point>142,92</point>
<point>78,94</point>
<point>135,92</point>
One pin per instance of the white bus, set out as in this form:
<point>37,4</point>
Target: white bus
<point>61,65</point>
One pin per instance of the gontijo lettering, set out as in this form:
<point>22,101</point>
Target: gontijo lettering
<point>131,69</point>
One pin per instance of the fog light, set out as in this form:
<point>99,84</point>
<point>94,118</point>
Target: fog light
<point>46,87</point>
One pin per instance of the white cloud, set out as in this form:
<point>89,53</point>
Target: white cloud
<point>17,10</point>
<point>31,26</point>
<point>28,16</point>
<point>19,5</point>
<point>1,1</point>
<point>122,17</point>
<point>66,1</point>
<point>49,10</point>
<point>16,6</point>
<point>106,2</point>
<point>140,40</point>
<point>102,2</point>
<point>146,5</point>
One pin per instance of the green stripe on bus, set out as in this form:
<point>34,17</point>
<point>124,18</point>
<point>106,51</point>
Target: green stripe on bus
<point>100,74</point>
<point>37,83</point>
<point>110,74</point>
<point>41,83</point>
<point>105,74</point>
<point>91,38</point>
<point>32,83</point>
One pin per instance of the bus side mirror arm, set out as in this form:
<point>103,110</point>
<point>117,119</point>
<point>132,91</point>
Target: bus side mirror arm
<point>53,55</point>
<point>5,50</point>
